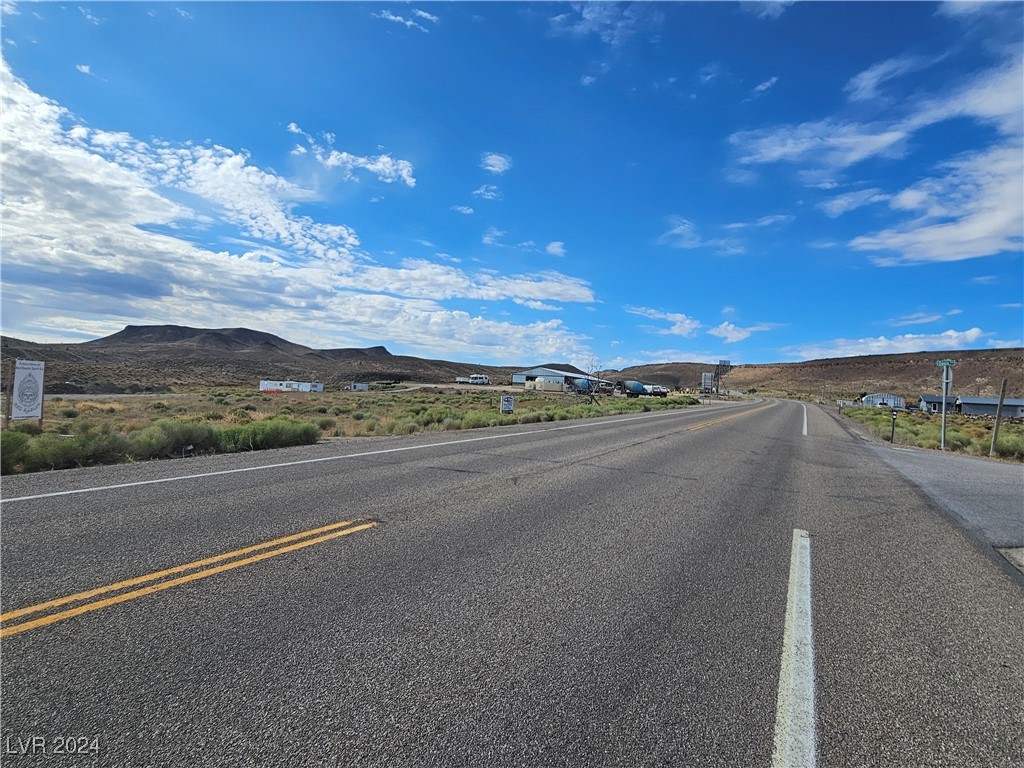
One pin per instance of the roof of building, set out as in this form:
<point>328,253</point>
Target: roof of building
<point>1015,402</point>
<point>545,370</point>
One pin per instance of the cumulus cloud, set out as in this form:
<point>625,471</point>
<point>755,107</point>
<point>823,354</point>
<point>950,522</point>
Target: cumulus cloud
<point>681,325</point>
<point>882,345</point>
<point>102,229</point>
<point>465,210</point>
<point>556,248</point>
<point>493,236</point>
<point>494,162</point>
<point>85,69</point>
<point>732,333</point>
<point>385,167</point>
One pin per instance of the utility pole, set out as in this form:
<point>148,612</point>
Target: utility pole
<point>999,415</point>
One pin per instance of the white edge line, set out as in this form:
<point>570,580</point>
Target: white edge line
<point>805,421</point>
<point>794,711</point>
<point>341,458</point>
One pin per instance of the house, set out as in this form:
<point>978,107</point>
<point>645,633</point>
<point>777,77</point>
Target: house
<point>1013,407</point>
<point>933,403</point>
<point>883,400</point>
<point>290,386</point>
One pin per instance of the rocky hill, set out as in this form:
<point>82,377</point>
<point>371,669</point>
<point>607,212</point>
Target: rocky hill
<point>157,358</point>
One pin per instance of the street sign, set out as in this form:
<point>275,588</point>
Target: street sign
<point>508,404</point>
<point>943,363</point>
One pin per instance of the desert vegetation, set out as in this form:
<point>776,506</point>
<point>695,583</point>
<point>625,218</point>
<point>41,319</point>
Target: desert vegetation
<point>964,434</point>
<point>80,432</point>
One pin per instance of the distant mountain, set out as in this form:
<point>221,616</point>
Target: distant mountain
<point>157,357</point>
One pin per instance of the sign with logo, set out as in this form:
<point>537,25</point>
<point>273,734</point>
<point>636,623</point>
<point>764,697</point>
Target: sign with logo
<point>944,363</point>
<point>508,403</point>
<point>27,392</point>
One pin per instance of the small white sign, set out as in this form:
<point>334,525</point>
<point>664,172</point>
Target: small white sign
<point>27,393</point>
<point>508,403</point>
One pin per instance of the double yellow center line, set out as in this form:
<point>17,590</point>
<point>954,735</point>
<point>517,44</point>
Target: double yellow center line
<point>160,580</point>
<point>721,419</point>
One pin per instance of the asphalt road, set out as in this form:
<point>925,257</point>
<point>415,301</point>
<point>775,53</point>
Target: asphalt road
<point>604,593</point>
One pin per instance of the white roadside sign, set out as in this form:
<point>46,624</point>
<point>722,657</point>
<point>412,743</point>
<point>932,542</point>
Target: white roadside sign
<point>27,392</point>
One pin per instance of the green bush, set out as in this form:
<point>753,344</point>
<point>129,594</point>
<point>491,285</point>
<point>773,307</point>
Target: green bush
<point>272,433</point>
<point>404,426</point>
<point>50,451</point>
<point>68,413</point>
<point>11,446</point>
<point>27,428</point>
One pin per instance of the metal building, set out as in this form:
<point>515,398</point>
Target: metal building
<point>884,400</point>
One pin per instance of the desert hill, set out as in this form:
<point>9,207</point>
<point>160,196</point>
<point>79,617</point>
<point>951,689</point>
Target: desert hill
<point>159,357</point>
<point>977,373</point>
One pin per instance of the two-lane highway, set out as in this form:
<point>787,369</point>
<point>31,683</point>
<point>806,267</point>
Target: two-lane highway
<point>619,592</point>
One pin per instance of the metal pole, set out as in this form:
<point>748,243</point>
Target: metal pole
<point>945,386</point>
<point>892,437</point>
<point>999,415</point>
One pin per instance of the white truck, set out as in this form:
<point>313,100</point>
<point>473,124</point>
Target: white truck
<point>476,378</point>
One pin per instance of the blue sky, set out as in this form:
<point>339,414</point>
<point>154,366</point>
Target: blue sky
<point>605,184</point>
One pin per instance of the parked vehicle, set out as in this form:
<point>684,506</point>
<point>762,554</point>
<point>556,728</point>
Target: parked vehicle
<point>476,378</point>
<point>631,388</point>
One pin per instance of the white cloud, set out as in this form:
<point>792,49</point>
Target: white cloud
<point>682,325</point>
<point>102,229</point>
<point>762,87</point>
<point>90,16</point>
<point>682,233</point>
<point>975,209</point>
<point>556,248</point>
<point>85,69</point>
<point>916,318</point>
<point>385,167</point>
<point>836,206</point>
<point>766,9</point>
<point>389,16</point>
<point>612,23</point>
<point>731,333</point>
<point>588,80</point>
<point>538,305</point>
<point>865,85</point>
<point>424,15</point>
<point>487,192</point>
<point>492,236</point>
<point>495,162</point>
<point>882,345</point>
<point>465,210</point>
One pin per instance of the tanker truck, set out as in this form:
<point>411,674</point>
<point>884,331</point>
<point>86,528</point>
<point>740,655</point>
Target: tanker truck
<point>631,388</point>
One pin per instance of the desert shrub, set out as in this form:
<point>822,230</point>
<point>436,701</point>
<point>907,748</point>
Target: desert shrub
<point>11,446</point>
<point>238,416</point>
<point>158,406</point>
<point>530,417</point>
<point>271,433</point>
<point>50,451</point>
<point>213,416</point>
<point>172,437</point>
<point>1011,447</point>
<point>68,413</point>
<point>403,426</point>
<point>27,427</point>
<point>452,423</point>
<point>358,415</point>
<point>326,424</point>
<point>475,420</point>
